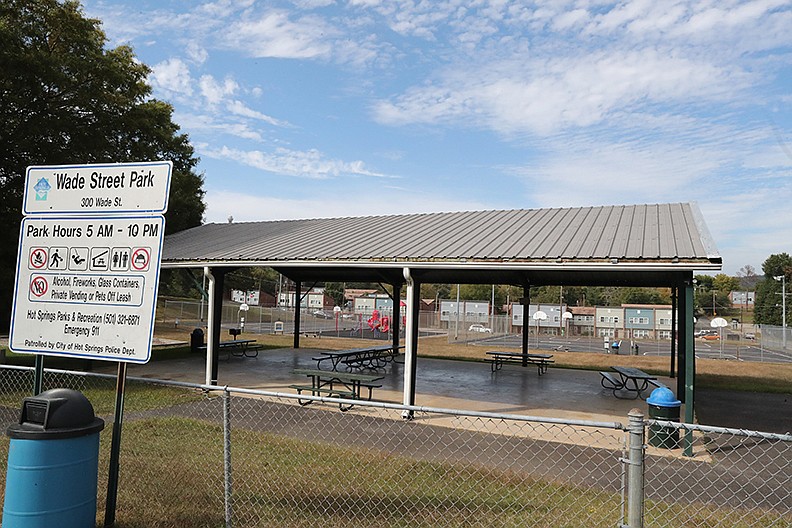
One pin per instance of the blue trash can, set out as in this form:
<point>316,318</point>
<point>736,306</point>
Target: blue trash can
<point>663,405</point>
<point>53,461</point>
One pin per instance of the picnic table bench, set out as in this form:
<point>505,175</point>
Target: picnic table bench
<point>541,361</point>
<point>347,385</point>
<point>628,379</point>
<point>373,358</point>
<point>237,347</point>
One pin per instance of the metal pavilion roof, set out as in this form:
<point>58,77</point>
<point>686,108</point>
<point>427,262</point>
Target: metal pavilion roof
<point>583,245</point>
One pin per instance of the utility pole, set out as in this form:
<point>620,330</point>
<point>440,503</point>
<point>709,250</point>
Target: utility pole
<point>782,278</point>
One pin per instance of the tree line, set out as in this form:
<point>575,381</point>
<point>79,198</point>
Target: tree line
<point>65,99</point>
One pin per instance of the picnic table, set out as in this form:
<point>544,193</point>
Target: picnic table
<point>373,357</point>
<point>348,385</point>
<point>630,379</point>
<point>498,358</point>
<point>237,347</point>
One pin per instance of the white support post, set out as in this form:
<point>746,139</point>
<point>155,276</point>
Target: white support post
<point>210,351</point>
<point>410,346</point>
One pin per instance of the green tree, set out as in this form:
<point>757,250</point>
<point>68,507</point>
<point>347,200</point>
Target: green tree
<point>768,308</point>
<point>66,99</point>
<point>777,265</point>
<point>725,283</point>
<point>336,291</point>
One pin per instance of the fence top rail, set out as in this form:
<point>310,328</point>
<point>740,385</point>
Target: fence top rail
<point>722,430</point>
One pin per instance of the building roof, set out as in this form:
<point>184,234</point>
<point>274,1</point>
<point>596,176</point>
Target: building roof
<point>549,246</point>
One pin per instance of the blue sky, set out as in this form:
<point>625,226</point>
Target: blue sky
<point>308,109</point>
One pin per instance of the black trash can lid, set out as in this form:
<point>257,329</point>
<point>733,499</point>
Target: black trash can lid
<point>55,414</point>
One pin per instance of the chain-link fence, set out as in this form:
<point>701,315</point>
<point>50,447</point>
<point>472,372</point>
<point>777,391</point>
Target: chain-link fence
<point>735,478</point>
<point>195,456</point>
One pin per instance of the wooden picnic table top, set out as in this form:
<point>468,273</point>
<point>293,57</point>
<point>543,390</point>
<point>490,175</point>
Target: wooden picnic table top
<point>356,351</point>
<point>518,354</point>
<point>632,372</point>
<point>341,376</point>
<point>231,343</point>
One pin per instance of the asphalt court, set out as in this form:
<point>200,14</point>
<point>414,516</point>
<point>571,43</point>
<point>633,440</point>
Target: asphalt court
<point>470,385</point>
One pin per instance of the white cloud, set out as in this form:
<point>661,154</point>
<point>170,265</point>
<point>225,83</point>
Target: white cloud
<point>172,75</point>
<point>208,124</point>
<point>590,172</point>
<point>274,34</point>
<point>239,108</point>
<point>196,53</point>
<point>307,164</point>
<point>544,96</point>
<point>214,91</point>
<point>750,226</point>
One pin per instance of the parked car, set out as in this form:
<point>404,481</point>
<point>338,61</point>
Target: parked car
<point>750,336</point>
<point>322,314</point>
<point>711,337</point>
<point>480,328</point>
<point>704,333</point>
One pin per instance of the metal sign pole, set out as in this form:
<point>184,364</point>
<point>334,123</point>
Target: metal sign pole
<point>38,375</point>
<point>115,447</point>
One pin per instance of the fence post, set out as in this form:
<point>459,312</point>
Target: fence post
<point>635,470</point>
<point>227,455</point>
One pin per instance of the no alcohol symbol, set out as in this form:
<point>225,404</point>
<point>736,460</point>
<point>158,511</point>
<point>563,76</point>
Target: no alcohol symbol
<point>38,286</point>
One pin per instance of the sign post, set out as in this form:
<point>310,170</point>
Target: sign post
<point>88,271</point>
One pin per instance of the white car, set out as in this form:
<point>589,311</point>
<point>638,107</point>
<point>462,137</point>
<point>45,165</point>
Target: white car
<point>479,328</point>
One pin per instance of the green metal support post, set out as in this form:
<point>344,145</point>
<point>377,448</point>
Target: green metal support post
<point>690,368</point>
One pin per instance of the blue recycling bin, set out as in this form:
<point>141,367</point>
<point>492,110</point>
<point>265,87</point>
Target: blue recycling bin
<point>53,461</point>
<point>663,405</point>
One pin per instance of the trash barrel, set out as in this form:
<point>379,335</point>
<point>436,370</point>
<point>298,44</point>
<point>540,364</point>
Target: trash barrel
<point>196,339</point>
<point>663,405</point>
<point>53,460</point>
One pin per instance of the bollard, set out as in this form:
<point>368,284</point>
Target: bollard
<point>635,470</point>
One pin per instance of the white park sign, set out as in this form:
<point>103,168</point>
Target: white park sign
<point>98,189</point>
<point>87,282</point>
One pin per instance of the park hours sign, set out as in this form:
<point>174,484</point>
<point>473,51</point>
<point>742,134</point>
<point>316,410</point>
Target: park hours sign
<point>87,274</point>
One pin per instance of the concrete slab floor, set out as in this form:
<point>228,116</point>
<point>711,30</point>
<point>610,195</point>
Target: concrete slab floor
<point>561,393</point>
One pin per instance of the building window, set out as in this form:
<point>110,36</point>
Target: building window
<point>640,334</point>
<point>639,320</point>
<point>605,332</point>
<point>664,334</point>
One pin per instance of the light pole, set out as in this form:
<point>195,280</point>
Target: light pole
<point>782,278</point>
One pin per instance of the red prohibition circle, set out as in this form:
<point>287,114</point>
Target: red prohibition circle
<point>139,263</point>
<point>41,263</point>
<point>38,286</point>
